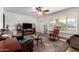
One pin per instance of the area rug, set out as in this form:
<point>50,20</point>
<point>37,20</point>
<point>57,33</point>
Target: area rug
<point>51,46</point>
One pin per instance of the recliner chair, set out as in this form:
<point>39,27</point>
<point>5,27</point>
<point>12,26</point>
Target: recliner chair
<point>74,41</point>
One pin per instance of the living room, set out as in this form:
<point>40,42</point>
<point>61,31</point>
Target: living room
<point>42,20</point>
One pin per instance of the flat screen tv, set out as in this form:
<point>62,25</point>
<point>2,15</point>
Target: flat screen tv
<point>27,25</point>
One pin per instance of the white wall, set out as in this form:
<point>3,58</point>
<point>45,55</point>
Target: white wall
<point>43,21</point>
<point>13,18</point>
<point>1,17</point>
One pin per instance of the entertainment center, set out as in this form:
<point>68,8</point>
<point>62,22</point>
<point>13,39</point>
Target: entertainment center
<point>26,28</point>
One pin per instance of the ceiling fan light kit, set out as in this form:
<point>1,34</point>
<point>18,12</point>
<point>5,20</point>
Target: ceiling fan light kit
<point>40,13</point>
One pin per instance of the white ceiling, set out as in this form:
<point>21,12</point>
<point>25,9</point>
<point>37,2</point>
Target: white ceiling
<point>32,11</point>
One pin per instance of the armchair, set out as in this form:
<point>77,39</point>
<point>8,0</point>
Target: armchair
<point>54,35</point>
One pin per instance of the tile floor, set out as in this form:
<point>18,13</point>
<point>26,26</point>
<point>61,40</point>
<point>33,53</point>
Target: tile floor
<point>72,50</point>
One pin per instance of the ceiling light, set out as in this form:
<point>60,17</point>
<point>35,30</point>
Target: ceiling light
<point>39,13</point>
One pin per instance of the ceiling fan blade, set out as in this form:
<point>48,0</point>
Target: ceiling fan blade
<point>46,11</point>
<point>38,9</point>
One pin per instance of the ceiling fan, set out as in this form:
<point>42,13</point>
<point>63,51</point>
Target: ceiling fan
<point>42,10</point>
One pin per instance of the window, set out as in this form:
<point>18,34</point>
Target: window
<point>61,22</point>
<point>71,25</point>
<point>67,24</point>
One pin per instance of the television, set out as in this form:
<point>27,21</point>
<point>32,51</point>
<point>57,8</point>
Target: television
<point>27,26</point>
